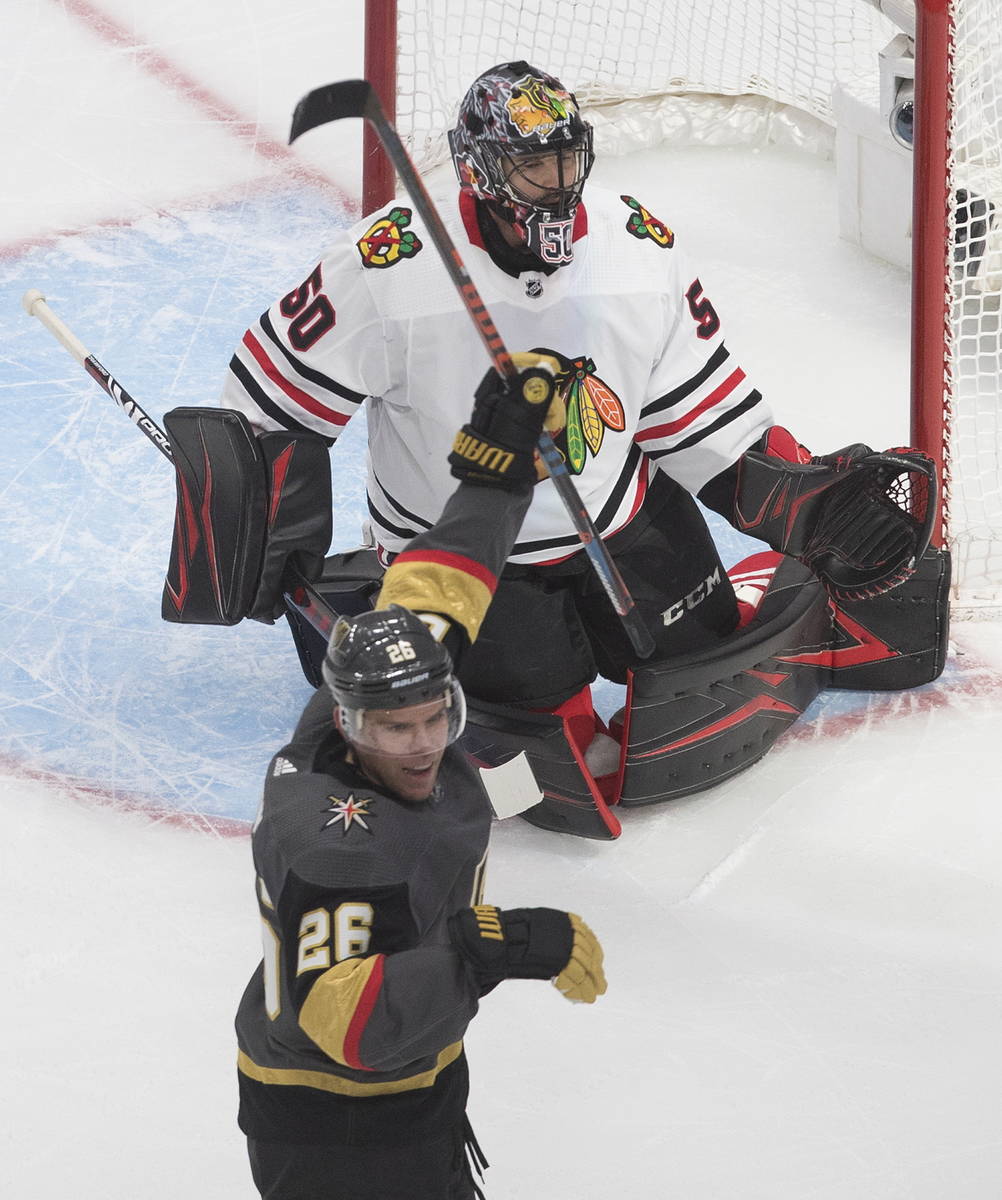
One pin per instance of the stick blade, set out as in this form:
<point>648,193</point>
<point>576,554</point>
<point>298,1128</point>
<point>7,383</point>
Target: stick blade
<point>332,102</point>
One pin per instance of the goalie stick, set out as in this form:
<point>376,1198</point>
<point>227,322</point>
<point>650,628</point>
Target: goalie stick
<point>299,593</point>
<point>357,98</point>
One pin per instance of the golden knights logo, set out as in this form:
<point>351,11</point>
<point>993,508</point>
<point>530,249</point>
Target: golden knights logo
<point>536,108</point>
<point>387,240</point>
<point>580,413</point>
<point>347,813</point>
<point>643,224</point>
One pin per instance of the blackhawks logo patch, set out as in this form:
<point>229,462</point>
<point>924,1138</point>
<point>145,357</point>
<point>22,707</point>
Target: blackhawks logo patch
<point>582,411</point>
<point>347,813</point>
<point>536,108</point>
<point>643,224</point>
<point>388,240</point>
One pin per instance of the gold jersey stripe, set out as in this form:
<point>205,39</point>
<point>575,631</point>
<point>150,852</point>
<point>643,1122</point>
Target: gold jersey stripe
<point>435,587</point>
<point>325,1082</point>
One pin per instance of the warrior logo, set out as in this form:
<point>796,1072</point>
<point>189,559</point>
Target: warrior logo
<point>538,109</point>
<point>580,413</point>
<point>386,242</point>
<point>643,224</point>
<point>349,812</point>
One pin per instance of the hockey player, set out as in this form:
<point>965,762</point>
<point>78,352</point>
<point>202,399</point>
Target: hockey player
<point>654,408</point>
<point>370,850</point>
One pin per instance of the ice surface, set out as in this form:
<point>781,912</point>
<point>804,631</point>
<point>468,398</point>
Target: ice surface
<point>804,963</point>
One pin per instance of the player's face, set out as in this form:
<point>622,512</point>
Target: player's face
<point>403,747</point>
<point>542,179</point>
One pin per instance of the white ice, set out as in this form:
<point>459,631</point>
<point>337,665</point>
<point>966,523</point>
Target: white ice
<point>805,964</point>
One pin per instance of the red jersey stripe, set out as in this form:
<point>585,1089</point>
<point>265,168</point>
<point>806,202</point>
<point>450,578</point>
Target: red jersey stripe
<point>303,399</point>
<point>714,398</point>
<point>363,1011</point>
<point>458,562</point>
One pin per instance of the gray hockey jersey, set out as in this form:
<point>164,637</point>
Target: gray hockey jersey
<point>351,1028</point>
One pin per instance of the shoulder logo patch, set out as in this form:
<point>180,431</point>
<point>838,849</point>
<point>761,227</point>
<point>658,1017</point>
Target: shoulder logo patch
<point>643,224</point>
<point>283,767</point>
<point>388,240</point>
<point>347,813</point>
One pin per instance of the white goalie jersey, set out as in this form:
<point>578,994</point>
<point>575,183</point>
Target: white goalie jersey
<point>379,321</point>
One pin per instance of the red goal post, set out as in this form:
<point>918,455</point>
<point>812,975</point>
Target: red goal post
<point>711,70</point>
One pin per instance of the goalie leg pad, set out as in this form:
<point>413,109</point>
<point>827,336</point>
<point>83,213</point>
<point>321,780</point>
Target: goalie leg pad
<point>348,583</point>
<point>572,802</point>
<point>695,720</point>
<point>899,639</point>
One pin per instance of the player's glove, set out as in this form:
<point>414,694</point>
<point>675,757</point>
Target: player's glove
<point>497,446</point>
<point>859,519</point>
<point>530,943</point>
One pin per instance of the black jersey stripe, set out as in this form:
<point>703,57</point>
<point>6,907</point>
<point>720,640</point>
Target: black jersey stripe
<point>266,404</point>
<point>404,512</point>
<point>386,523</point>
<point>560,543</point>
<point>606,516</point>
<point>754,397</point>
<point>676,395</point>
<point>314,376</point>
<point>618,494</point>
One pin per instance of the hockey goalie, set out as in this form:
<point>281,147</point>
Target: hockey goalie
<point>651,413</point>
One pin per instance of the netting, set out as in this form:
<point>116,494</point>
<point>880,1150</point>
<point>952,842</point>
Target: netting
<point>722,71</point>
<point>973,396</point>
<point>780,52</point>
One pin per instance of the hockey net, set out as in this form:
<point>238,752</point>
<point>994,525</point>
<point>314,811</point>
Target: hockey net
<point>714,72</point>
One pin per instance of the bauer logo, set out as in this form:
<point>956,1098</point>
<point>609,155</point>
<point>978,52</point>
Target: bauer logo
<point>398,683</point>
<point>388,240</point>
<point>643,224</point>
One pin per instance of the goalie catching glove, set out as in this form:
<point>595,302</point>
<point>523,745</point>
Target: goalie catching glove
<point>530,943</point>
<point>497,446</point>
<point>859,519</point>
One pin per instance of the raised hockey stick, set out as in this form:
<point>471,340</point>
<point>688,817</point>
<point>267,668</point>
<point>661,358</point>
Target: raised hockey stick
<point>298,591</point>
<point>357,98</point>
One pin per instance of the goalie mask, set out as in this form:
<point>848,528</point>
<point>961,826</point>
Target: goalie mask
<point>521,146</point>
<point>393,684</point>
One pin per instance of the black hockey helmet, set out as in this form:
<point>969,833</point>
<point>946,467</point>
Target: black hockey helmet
<point>521,145</point>
<point>389,659</point>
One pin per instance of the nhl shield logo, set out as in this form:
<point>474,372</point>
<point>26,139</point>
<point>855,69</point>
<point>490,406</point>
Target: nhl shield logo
<point>643,224</point>
<point>388,240</point>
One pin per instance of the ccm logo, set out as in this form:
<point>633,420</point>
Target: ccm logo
<point>696,596</point>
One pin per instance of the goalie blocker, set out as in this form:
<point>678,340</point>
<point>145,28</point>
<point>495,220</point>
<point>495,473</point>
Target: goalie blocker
<point>247,506</point>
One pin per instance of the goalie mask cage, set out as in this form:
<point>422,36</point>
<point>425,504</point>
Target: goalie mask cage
<point>726,71</point>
